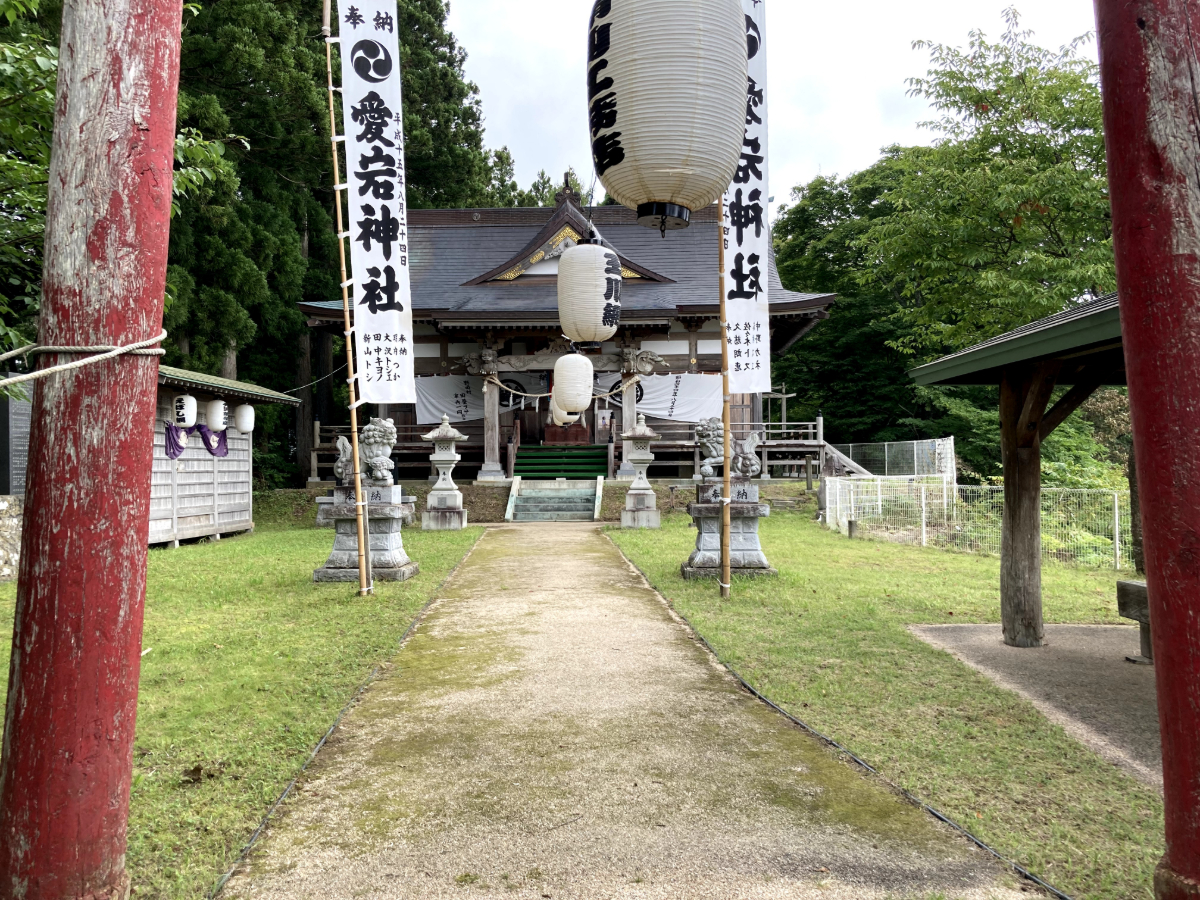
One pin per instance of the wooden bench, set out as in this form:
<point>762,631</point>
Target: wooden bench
<point>1133,602</point>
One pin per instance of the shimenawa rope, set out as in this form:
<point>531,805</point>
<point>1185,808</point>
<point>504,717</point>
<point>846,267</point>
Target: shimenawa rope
<point>140,348</point>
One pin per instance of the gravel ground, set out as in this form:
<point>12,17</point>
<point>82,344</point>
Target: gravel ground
<point>551,730</point>
<point>1078,679</point>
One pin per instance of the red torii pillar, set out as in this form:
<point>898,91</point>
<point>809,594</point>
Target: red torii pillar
<point>1150,75</point>
<point>72,695</point>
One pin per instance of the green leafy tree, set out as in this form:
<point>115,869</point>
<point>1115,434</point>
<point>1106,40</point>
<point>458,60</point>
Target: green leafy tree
<point>28,69</point>
<point>1006,217</point>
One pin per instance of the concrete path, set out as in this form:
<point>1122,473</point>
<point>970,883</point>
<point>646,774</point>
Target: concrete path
<point>1078,679</point>
<point>552,731</point>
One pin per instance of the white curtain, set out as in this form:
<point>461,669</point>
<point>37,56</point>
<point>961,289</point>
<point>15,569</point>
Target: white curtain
<point>680,398</point>
<point>461,396</point>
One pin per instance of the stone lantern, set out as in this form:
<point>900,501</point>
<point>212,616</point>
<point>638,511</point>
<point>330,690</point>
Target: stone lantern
<point>641,510</point>
<point>444,506</point>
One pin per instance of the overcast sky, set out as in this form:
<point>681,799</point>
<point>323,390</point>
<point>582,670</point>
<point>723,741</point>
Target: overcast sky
<point>837,75</point>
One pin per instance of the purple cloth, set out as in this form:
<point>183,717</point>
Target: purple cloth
<point>215,442</point>
<point>175,440</point>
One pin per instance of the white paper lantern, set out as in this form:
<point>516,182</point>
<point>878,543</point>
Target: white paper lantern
<point>573,378</point>
<point>185,410</point>
<point>559,416</point>
<point>243,418</point>
<point>589,293</point>
<point>217,414</point>
<point>667,96</point>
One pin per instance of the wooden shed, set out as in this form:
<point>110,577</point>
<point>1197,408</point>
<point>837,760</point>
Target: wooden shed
<point>199,494</point>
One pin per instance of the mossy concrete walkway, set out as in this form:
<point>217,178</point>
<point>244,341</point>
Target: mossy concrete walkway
<point>551,730</point>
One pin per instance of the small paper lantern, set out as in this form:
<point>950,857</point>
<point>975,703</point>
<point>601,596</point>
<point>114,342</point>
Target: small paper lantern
<point>559,416</point>
<point>589,293</point>
<point>217,414</point>
<point>243,418</point>
<point>667,98</point>
<point>573,378</point>
<point>185,410</point>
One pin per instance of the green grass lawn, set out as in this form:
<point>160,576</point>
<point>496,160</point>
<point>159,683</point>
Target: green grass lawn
<point>247,665</point>
<point>827,641</point>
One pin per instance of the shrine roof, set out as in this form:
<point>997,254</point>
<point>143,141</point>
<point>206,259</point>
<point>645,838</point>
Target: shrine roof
<point>493,266</point>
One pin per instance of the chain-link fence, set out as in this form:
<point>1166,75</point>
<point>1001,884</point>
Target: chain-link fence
<point>1088,527</point>
<point>932,457</point>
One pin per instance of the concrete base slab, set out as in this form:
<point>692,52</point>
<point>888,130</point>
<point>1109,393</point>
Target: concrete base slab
<point>444,520</point>
<point>400,573</point>
<point>692,572</point>
<point>1078,679</point>
<point>641,518</point>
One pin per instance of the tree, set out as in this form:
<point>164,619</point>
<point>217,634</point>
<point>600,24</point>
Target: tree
<point>1005,218</point>
<point>28,69</point>
<point>850,366</point>
<point>854,366</point>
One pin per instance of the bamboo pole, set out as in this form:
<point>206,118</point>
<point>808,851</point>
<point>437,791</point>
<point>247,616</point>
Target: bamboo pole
<point>726,491</point>
<point>364,581</point>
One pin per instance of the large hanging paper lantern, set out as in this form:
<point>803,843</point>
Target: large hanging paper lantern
<point>589,293</point>
<point>573,378</point>
<point>667,94</point>
<point>217,414</point>
<point>243,418</point>
<point>184,410</point>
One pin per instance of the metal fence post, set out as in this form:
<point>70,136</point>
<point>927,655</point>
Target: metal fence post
<point>923,535</point>
<point>1116,530</point>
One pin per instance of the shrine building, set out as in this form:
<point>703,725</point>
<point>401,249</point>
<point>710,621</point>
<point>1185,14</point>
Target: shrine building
<point>484,299</point>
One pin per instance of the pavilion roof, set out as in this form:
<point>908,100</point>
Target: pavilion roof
<point>1085,337</point>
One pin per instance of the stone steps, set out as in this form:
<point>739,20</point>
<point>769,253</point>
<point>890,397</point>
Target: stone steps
<point>555,501</point>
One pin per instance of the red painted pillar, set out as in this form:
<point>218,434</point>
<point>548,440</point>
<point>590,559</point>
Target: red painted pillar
<point>1150,75</point>
<point>72,695</point>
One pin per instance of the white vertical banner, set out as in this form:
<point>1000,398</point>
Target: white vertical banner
<point>747,232</point>
<point>377,217</point>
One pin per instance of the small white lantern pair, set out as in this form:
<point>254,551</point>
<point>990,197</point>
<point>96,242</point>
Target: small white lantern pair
<point>573,380</point>
<point>667,102</point>
<point>589,293</point>
<point>560,417</point>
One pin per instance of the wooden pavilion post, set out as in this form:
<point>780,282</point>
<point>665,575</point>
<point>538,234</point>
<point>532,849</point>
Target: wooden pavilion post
<point>72,690</point>
<point>1024,394</point>
<point>1148,68</point>
<point>1025,422</point>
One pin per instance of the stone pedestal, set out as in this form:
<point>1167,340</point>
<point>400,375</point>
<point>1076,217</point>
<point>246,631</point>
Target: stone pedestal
<point>385,515</point>
<point>641,503</point>
<point>745,552</point>
<point>408,504</point>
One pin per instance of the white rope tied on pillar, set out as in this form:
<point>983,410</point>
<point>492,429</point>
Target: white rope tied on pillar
<point>106,351</point>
